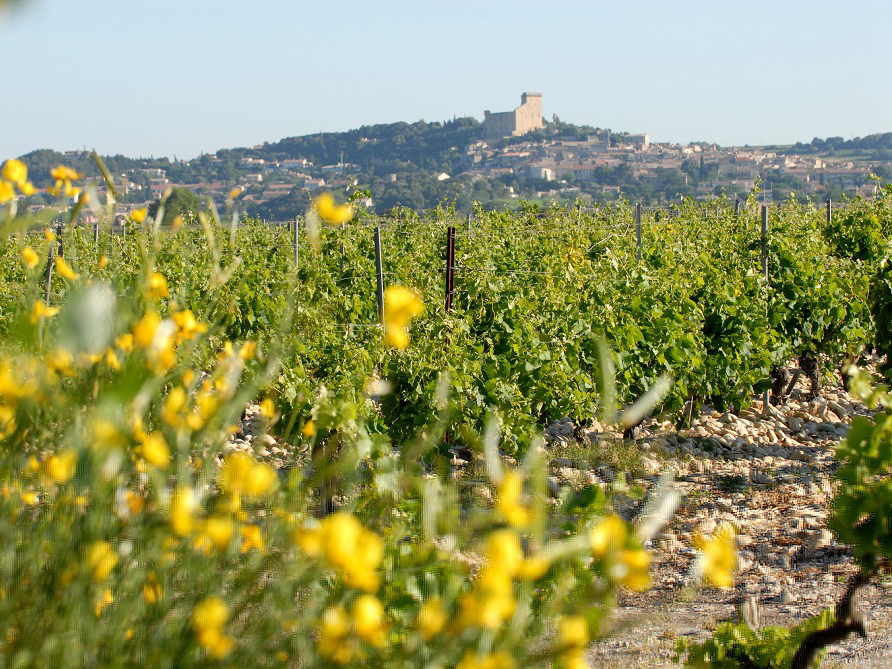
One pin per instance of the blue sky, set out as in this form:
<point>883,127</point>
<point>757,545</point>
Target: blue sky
<point>178,77</point>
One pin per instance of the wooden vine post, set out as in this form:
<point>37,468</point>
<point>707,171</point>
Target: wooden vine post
<point>766,396</point>
<point>450,266</point>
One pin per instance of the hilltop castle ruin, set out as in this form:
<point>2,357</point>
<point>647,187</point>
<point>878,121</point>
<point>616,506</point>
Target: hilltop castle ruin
<point>524,119</point>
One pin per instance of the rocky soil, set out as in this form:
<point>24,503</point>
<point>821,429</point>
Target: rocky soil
<point>770,473</point>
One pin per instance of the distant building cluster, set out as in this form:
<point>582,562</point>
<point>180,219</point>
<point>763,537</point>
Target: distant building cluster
<point>594,163</point>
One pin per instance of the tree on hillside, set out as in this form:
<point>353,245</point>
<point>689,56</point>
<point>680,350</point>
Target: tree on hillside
<point>182,202</point>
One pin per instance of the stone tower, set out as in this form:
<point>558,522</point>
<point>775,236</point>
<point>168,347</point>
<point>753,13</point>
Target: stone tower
<point>524,119</point>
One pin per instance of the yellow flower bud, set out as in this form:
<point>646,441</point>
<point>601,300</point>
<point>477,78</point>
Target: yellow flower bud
<point>61,466</point>
<point>154,450</point>
<point>330,212</point>
<point>29,257</point>
<point>608,536</point>
<point>101,558</point>
<point>64,269</point>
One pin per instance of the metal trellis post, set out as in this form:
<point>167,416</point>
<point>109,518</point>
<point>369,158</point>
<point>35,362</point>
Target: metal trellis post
<point>50,261</point>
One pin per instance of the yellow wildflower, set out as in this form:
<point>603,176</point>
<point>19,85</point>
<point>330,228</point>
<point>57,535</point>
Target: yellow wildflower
<point>608,536</point>
<point>252,537</point>
<point>534,568</point>
<point>64,269</point>
<point>182,508</point>
<point>111,359</point>
<point>101,558</point>
<point>432,618</point>
<point>105,598</point>
<point>103,261</point>
<point>125,342</point>
<point>173,407</point>
<point>7,193</point>
<point>632,569</point>
<point>573,632</point>
<point>59,361</point>
<point>247,351</point>
<point>157,287</point>
<point>144,331</point>
<point>572,639</point>
<point>210,613</point>
<point>151,589</point>
<point>401,305</point>
<point>235,192</point>
<point>208,619</point>
<point>369,622</point>
<point>64,176</point>
<point>396,337</point>
<point>29,257</point>
<point>309,540</point>
<point>106,434</point>
<point>719,555</point>
<point>15,171</point>
<point>30,498</point>
<point>154,450</point>
<point>500,660</point>
<point>353,550</point>
<point>242,474</point>
<point>41,311</point>
<point>89,358</point>
<point>333,635</point>
<point>61,466</point>
<point>503,551</point>
<point>268,409</point>
<point>135,503</point>
<point>138,215</point>
<point>187,326</point>
<point>62,172</point>
<point>332,213</point>
<point>509,500</point>
<point>7,420</point>
<point>309,429</point>
<point>219,529</point>
<point>49,235</point>
<point>492,602</point>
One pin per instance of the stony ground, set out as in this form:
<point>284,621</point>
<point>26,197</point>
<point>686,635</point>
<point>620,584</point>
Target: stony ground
<point>768,470</point>
<point>771,475</point>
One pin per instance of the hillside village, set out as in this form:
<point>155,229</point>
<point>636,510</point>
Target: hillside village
<point>511,156</point>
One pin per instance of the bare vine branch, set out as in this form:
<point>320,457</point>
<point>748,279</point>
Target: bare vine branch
<point>849,620</point>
